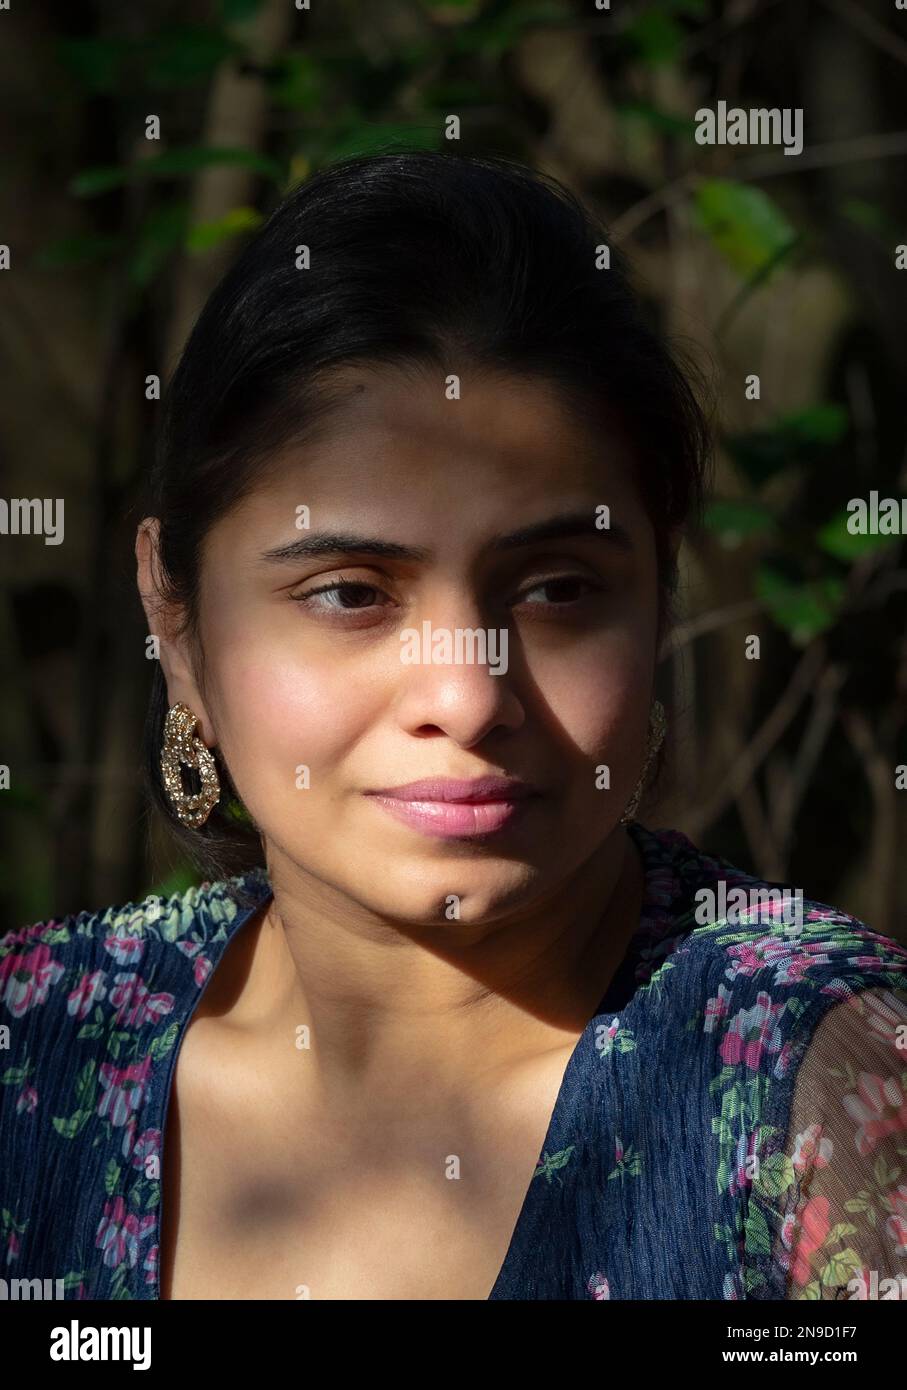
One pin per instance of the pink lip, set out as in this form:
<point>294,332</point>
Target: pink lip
<point>457,789</point>
<point>451,809</point>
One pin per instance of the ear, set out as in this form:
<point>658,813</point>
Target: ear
<point>163,622</point>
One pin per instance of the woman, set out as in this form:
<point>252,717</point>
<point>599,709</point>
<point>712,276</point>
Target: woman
<point>444,1020</point>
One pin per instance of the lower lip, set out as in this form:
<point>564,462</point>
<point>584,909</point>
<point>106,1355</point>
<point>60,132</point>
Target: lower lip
<point>454,819</point>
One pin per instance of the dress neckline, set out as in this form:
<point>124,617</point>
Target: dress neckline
<point>644,948</point>
<point>656,934</point>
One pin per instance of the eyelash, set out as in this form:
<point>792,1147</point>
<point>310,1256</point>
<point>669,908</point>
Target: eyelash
<point>345,585</point>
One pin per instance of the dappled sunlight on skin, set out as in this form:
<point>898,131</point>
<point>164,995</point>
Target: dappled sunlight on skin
<point>295,678</point>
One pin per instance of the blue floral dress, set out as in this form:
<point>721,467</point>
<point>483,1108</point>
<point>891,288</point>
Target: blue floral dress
<point>731,1125</point>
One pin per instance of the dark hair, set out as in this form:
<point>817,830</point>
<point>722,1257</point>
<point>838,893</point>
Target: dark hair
<point>417,258</point>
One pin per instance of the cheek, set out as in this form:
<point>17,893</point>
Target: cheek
<point>598,693</point>
<point>276,710</point>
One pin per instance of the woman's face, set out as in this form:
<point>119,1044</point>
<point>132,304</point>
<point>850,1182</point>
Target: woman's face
<point>316,700</point>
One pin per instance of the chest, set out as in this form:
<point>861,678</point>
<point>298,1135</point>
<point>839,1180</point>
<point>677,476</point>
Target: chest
<point>259,1203</point>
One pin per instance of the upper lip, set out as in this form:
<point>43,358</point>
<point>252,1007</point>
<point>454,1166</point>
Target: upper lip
<point>457,789</point>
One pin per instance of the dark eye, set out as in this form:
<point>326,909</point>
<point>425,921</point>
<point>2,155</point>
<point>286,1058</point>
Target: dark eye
<point>564,588</point>
<point>344,589</point>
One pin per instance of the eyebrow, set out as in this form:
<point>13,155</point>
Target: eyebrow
<point>331,543</point>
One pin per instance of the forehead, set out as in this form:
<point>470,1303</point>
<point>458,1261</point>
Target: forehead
<point>396,446</point>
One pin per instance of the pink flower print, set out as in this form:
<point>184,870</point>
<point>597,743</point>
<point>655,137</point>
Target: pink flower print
<point>201,970</point>
<point>791,959</point>
<point>896,1225</point>
<point>150,1264</point>
<point>129,1129</point>
<point>806,1237</point>
<point>146,1146</point>
<point>135,1005</point>
<point>868,963</point>
<point>26,979</point>
<point>27,1101</point>
<point>811,1149</point>
<point>188,948</point>
<point>28,936</point>
<point>124,1090</point>
<point>716,1008</point>
<point>783,1061</point>
<point>91,988</point>
<point>125,947</point>
<point>12,1247</point>
<point>752,1032</point>
<point>881,1017</point>
<point>878,1106</point>
<point>598,1286</point>
<point>119,1233</point>
<point>740,1180</point>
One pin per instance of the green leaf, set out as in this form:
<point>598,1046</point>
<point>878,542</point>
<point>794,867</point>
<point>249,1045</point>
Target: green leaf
<point>14,1076</point>
<point>495,31</point>
<point>745,225</point>
<point>758,1241</point>
<point>734,520</point>
<point>95,63</point>
<point>803,610</point>
<point>665,122</point>
<point>819,424</point>
<point>86,1083</point>
<point>835,539</point>
<point>188,160</point>
<point>797,438</point>
<point>235,11</point>
<point>185,54</point>
<point>871,218</point>
<point>76,250</point>
<point>204,235</point>
<point>162,1045</point>
<point>841,1268</point>
<point>298,83</point>
<point>111,1177</point>
<point>70,1128</point>
<point>655,37</point>
<point>775,1175</point>
<point>176,882</point>
<point>160,234</point>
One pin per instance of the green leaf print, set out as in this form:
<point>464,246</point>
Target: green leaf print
<point>629,1162</point>
<point>841,1268</point>
<point>70,1128</point>
<point>552,1162</point>
<point>775,1176</point>
<point>162,1045</point>
<point>14,1076</point>
<point>86,1082</point>
<point>111,1177</point>
<point>758,1241</point>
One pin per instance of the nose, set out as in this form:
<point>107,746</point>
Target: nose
<point>457,679</point>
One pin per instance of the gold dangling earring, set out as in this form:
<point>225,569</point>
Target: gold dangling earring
<point>182,745</point>
<point>658,725</point>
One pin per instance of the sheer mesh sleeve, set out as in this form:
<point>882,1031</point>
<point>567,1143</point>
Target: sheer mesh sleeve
<point>845,1231</point>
